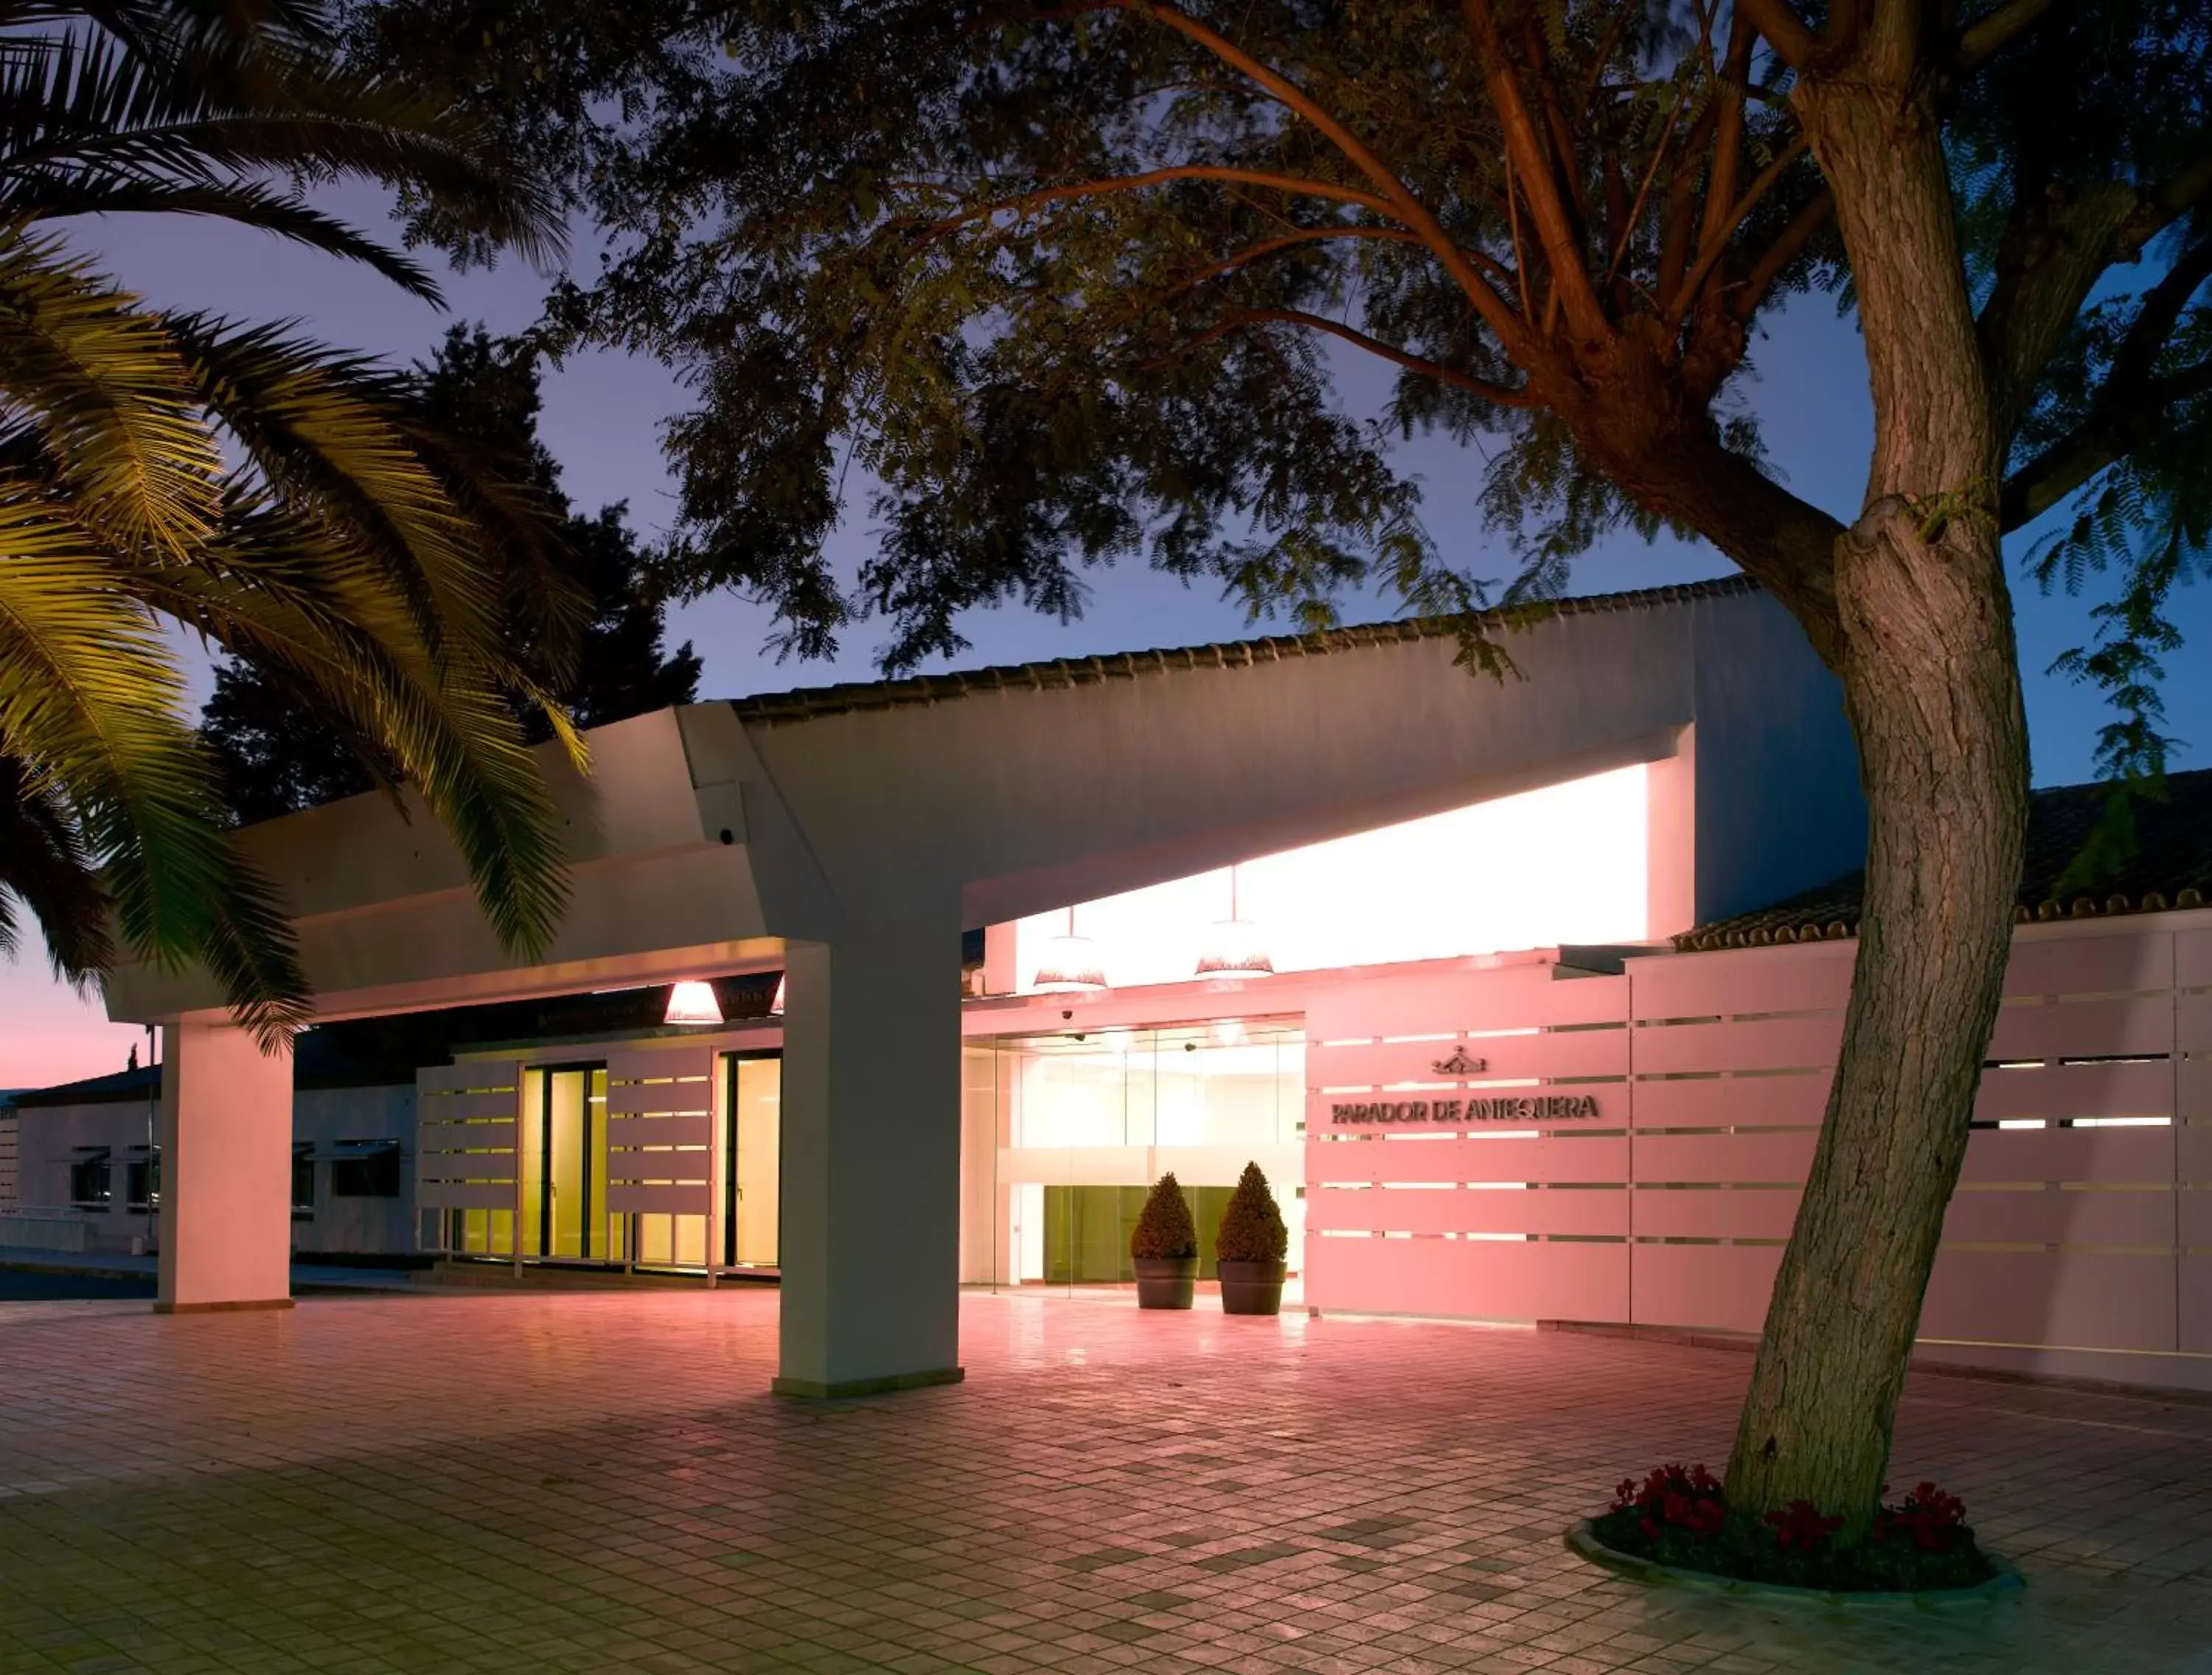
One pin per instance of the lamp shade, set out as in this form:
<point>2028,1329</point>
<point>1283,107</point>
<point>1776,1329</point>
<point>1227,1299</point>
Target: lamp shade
<point>693,1002</point>
<point>1235,947</point>
<point>775,1007</point>
<point>1070,965</point>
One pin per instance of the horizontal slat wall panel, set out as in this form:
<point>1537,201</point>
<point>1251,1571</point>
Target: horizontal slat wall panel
<point>1568,1052</point>
<point>2196,1310</point>
<point>1795,980</point>
<point>465,1135</point>
<point>1481,1278</point>
<point>2192,1019</point>
<point>2192,959</point>
<point>626,1200</point>
<point>465,1195</point>
<point>2046,1215</point>
<point>1718,1287</point>
<point>1593,1158</point>
<point>661,1101</point>
<point>637,1099</point>
<point>2193,1215</point>
<point>2090,965</point>
<point>2135,1155</point>
<point>1784,1156</point>
<point>1707,1213</point>
<point>432,1137</point>
<point>471,1107</point>
<point>1792,1043</point>
<point>1375,1157</point>
<point>2077,1091</point>
<point>2069,1028</point>
<point>625,1131</point>
<point>1762,1102</point>
<point>1585,1211</point>
<point>2070,1300</point>
<point>474,1075</point>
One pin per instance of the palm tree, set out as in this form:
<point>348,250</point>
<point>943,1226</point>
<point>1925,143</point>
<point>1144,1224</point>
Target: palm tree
<point>282,501</point>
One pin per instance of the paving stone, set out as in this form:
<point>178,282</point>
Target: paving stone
<point>601,1482</point>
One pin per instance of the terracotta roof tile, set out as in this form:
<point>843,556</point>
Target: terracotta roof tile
<point>2172,868</point>
<point>809,702</point>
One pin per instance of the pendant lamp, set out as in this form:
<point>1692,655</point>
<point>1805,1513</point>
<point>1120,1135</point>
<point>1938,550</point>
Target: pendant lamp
<point>691,1004</point>
<point>1071,964</point>
<point>1235,947</point>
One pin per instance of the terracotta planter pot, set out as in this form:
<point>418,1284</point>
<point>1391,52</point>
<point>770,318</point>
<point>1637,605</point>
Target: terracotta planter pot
<point>1252,1287</point>
<point>1165,1282</point>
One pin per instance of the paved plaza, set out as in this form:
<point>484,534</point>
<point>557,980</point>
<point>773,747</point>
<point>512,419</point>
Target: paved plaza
<point>601,1482</point>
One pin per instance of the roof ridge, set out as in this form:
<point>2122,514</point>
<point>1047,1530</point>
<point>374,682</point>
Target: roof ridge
<point>804,703</point>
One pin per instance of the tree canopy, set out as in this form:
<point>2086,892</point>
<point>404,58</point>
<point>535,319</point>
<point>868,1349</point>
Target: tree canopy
<point>1059,278</point>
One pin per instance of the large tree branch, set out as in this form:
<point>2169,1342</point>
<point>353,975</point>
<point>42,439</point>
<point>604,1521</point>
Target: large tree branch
<point>2131,406</point>
<point>1785,31</point>
<point>1745,301</point>
<point>2050,260</point>
<point>1531,161</point>
<point>1994,30</point>
<point>2103,440</point>
<point>1725,229</point>
<point>1497,393</point>
<point>1405,207</point>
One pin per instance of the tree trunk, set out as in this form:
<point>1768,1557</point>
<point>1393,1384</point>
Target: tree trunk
<point>1932,684</point>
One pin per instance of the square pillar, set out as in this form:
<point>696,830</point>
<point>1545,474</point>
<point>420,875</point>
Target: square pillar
<point>871,1196</point>
<point>226,1228</point>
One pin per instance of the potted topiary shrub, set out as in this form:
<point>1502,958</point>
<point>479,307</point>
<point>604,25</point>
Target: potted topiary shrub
<point>1164,1248</point>
<point>1250,1248</point>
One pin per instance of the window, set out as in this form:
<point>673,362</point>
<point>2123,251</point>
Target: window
<point>91,1178</point>
<point>139,1175</point>
<point>366,1169</point>
<point>303,1182</point>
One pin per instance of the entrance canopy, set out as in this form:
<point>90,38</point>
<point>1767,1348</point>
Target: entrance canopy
<point>707,838</point>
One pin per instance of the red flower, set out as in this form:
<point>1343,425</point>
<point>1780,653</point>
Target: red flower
<point>1801,1527</point>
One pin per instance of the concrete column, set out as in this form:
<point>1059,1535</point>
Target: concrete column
<point>226,1171</point>
<point>871,1200</point>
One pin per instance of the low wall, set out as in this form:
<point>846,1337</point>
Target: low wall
<point>1518,1144</point>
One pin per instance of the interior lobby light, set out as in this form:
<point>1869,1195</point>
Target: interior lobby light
<point>775,1007</point>
<point>1234,947</point>
<point>692,1003</point>
<point>1070,964</point>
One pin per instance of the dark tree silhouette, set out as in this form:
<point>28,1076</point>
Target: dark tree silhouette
<point>278,755</point>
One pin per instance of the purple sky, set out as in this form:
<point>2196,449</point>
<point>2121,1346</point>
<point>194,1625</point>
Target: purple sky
<point>603,414</point>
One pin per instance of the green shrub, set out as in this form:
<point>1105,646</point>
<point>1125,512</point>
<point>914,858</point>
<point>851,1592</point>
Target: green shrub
<point>1252,1228</point>
<point>1164,1229</point>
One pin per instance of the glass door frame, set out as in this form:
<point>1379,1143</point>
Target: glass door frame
<point>592,1136</point>
<point>725,1255</point>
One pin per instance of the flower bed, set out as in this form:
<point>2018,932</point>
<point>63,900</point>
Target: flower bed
<point>1679,1516</point>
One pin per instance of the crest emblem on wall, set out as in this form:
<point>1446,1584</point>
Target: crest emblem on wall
<point>1460,1065</point>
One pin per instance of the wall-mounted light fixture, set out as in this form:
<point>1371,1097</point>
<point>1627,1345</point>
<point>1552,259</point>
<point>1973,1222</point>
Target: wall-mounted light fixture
<point>692,1005</point>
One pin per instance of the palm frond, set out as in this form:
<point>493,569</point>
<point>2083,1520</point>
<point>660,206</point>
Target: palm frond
<point>45,866</point>
<point>110,399</point>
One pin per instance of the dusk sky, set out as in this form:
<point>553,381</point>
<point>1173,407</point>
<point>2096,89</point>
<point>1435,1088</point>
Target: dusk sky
<point>603,417</point>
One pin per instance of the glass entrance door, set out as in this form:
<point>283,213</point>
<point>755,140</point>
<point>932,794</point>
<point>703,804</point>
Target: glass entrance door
<point>564,1165</point>
<point>753,1166</point>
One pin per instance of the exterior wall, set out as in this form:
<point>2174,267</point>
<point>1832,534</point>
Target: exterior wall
<point>1662,1192</point>
<point>664,1134</point>
<point>48,1136</point>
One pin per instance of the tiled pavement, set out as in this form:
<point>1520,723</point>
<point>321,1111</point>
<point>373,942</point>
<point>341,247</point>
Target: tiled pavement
<point>600,1482</point>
